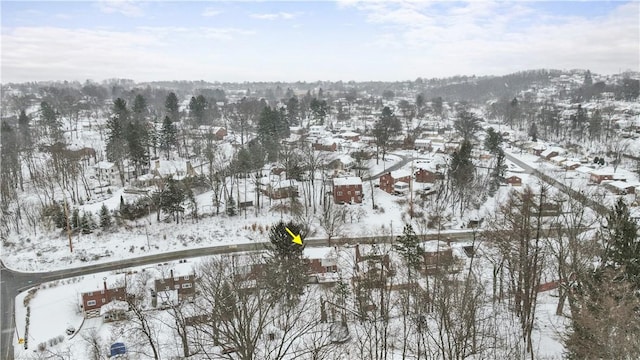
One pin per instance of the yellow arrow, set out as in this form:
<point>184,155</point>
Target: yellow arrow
<point>296,238</point>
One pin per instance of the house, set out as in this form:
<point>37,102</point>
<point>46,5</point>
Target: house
<point>372,268</point>
<point>428,176</point>
<point>389,179</point>
<point>108,172</point>
<point>111,288</point>
<point>323,265</point>
<point>350,135</point>
<point>325,144</point>
<point>343,162</point>
<point>571,165</point>
<point>422,144</point>
<point>599,175</point>
<point>513,180</point>
<point>178,170</point>
<point>347,190</point>
<point>437,255</point>
<point>621,187</point>
<point>177,285</point>
<point>219,133</point>
<point>281,189</point>
<point>538,149</point>
<point>549,153</point>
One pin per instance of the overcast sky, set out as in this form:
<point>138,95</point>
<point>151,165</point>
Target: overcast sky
<point>309,41</point>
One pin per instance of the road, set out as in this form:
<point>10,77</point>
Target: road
<point>15,282</point>
<point>599,208</point>
<point>405,160</point>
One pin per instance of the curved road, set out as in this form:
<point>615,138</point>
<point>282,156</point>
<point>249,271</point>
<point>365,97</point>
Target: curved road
<point>15,282</point>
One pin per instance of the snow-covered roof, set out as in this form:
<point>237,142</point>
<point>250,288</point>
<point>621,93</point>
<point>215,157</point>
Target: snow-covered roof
<point>623,184</point>
<point>435,245</point>
<point>114,305</point>
<point>112,281</point>
<point>401,173</point>
<point>349,134</point>
<point>603,171</point>
<point>319,253</point>
<point>422,142</point>
<point>105,165</point>
<point>344,181</point>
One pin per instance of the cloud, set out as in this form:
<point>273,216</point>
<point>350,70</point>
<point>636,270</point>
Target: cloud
<point>130,8</point>
<point>146,53</point>
<point>499,37</point>
<point>275,16</point>
<point>208,12</point>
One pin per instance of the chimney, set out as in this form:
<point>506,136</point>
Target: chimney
<point>104,282</point>
<point>171,271</point>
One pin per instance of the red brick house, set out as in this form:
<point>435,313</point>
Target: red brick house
<point>181,280</point>
<point>389,179</point>
<point>427,176</point>
<point>112,288</point>
<point>323,265</point>
<point>600,175</point>
<point>513,180</point>
<point>325,145</point>
<point>219,133</point>
<point>347,190</point>
<point>437,255</point>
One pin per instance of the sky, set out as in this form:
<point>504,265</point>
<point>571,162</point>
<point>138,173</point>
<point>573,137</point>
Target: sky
<point>312,40</point>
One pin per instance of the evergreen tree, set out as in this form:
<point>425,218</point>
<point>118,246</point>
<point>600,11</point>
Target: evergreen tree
<point>171,199</point>
<point>87,223</point>
<point>461,171</point>
<point>272,127</point>
<point>26,140</point>
<point>285,262</point>
<point>105,217</point>
<point>408,246</point>
<point>172,107</point>
<point>533,132</point>
<point>10,171</point>
<point>197,109</point>
<point>116,147</point>
<point>168,136</point>
<point>595,125</point>
<point>140,108</point>
<point>137,144</point>
<point>59,217</point>
<point>493,141</point>
<point>52,124</point>
<point>467,124</point>
<point>623,246</point>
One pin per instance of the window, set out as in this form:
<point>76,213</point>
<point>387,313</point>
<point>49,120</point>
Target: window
<point>177,286</point>
<point>186,277</point>
<point>166,288</point>
<point>357,192</point>
<point>339,193</point>
<point>186,286</point>
<point>91,303</point>
<point>102,292</point>
<point>176,278</point>
<point>103,301</point>
<point>90,294</point>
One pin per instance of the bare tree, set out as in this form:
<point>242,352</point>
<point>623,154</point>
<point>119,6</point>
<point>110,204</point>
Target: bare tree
<point>518,230</point>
